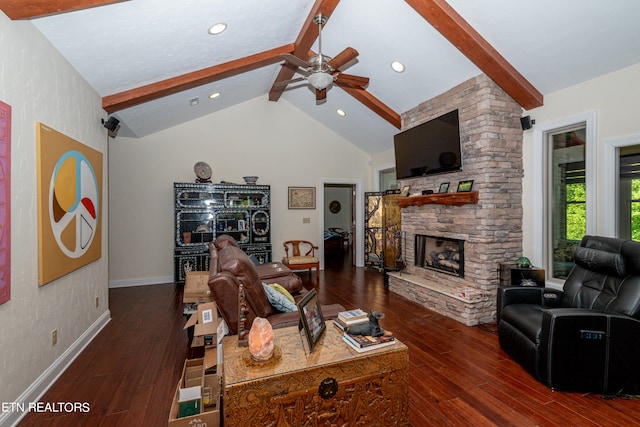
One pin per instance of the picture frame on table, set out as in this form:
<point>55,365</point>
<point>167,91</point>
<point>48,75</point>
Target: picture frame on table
<point>311,318</point>
<point>444,188</point>
<point>302,197</point>
<point>405,191</point>
<point>465,186</point>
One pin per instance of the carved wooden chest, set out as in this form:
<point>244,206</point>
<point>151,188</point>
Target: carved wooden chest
<point>332,386</point>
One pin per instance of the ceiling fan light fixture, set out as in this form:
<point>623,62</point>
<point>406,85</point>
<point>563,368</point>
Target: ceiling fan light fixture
<point>217,28</point>
<point>320,80</point>
<point>397,66</point>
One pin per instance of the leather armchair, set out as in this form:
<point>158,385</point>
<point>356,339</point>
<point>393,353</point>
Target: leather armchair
<point>586,337</point>
<point>233,267</point>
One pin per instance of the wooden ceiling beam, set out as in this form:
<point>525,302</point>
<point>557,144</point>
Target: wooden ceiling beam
<point>153,91</point>
<point>375,105</point>
<point>303,43</point>
<point>21,9</point>
<point>458,31</point>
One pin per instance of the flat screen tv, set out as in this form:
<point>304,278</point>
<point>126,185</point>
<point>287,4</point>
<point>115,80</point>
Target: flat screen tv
<point>429,148</point>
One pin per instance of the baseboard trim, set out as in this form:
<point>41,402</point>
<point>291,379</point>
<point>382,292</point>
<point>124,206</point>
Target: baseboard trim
<point>39,387</point>
<point>126,283</point>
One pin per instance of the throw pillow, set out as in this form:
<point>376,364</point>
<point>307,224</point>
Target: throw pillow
<point>278,287</point>
<point>279,301</point>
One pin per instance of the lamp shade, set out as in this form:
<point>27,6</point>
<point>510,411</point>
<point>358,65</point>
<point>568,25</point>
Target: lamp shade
<point>320,80</point>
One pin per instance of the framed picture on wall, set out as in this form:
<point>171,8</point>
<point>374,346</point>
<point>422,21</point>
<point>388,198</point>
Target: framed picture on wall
<point>444,188</point>
<point>405,191</point>
<point>302,197</point>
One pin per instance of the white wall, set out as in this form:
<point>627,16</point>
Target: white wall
<point>272,140</point>
<point>41,86</point>
<point>614,98</point>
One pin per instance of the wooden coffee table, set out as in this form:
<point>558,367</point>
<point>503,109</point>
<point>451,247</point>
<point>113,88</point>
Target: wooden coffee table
<point>332,385</point>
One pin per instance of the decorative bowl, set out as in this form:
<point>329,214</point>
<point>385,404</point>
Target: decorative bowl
<point>250,179</point>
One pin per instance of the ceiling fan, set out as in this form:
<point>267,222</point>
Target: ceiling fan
<point>320,71</point>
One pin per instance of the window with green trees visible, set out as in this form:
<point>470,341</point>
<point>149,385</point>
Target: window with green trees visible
<point>567,216</point>
<point>576,211</point>
<point>629,193</point>
<point>635,209</point>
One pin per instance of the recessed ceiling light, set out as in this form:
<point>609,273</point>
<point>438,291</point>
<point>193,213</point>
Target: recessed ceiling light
<point>217,28</point>
<point>397,66</point>
<point>215,95</point>
<point>341,112</point>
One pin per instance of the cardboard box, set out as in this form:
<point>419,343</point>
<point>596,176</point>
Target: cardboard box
<point>196,287</point>
<point>205,324</point>
<point>192,372</point>
<point>210,360</point>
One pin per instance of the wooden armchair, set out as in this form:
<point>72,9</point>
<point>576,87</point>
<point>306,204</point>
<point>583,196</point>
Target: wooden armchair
<point>297,261</point>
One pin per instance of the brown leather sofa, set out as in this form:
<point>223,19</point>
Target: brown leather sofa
<point>269,272</point>
<point>230,267</point>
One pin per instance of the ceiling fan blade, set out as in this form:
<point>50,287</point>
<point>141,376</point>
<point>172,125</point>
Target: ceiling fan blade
<point>321,94</point>
<point>351,80</point>
<point>294,60</point>
<point>343,57</point>
<point>286,82</point>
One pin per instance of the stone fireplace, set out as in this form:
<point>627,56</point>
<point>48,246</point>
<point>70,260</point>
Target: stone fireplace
<point>490,229</point>
<point>440,254</point>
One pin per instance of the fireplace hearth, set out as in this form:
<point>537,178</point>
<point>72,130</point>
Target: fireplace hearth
<point>440,253</point>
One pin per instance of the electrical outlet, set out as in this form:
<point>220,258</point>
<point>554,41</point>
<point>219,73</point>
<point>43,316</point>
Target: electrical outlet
<point>97,302</point>
<point>54,337</point>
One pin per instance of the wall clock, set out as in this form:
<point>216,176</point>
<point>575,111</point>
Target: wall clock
<point>335,206</point>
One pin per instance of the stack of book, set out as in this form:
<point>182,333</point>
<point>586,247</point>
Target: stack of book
<point>362,343</point>
<point>349,318</point>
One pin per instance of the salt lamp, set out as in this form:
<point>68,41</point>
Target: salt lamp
<point>261,339</point>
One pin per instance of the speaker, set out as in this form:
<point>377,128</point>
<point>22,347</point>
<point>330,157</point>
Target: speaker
<point>112,125</point>
<point>526,122</point>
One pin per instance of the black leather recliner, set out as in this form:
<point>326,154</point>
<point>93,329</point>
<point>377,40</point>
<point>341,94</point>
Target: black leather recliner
<point>586,337</point>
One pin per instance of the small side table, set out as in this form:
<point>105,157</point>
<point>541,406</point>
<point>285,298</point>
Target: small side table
<point>512,275</point>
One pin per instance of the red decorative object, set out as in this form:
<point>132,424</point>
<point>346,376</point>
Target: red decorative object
<point>5,202</point>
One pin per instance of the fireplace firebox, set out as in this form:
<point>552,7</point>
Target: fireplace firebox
<point>440,253</point>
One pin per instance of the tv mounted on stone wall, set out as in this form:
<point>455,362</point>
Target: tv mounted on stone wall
<point>429,148</point>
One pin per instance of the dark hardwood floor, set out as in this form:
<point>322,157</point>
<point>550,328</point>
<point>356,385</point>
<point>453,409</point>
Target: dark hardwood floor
<point>459,374</point>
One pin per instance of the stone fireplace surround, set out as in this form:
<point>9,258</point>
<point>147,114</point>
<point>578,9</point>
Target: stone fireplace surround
<point>491,138</point>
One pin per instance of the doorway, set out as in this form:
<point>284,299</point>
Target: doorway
<point>340,220</point>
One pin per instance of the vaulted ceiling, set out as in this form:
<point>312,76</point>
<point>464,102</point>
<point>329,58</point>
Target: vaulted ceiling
<point>155,64</point>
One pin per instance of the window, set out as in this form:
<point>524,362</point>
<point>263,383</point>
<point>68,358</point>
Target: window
<point>629,193</point>
<point>567,197</point>
<point>388,180</point>
<point>563,201</point>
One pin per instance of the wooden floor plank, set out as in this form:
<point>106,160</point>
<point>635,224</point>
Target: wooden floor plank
<point>459,374</point>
